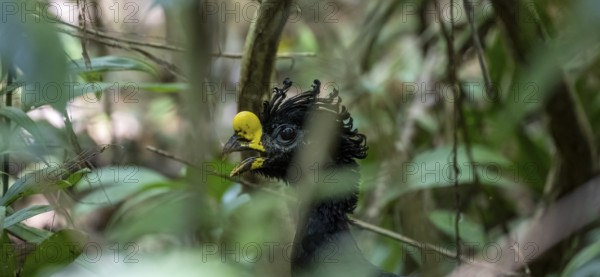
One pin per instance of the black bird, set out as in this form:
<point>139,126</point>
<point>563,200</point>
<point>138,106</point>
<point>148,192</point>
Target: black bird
<point>323,245</point>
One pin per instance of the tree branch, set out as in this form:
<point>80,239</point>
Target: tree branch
<point>259,53</point>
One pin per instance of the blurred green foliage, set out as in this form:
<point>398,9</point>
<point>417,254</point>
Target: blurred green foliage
<point>142,213</point>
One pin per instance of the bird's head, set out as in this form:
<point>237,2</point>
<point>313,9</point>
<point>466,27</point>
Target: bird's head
<point>280,132</point>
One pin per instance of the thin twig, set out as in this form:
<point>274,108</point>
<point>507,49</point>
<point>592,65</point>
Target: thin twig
<point>478,46</point>
<point>488,88</point>
<point>83,29</point>
<point>173,69</point>
<point>224,176</point>
<point>72,137</point>
<point>106,36</point>
<point>356,222</point>
<point>284,55</point>
<point>426,246</point>
<point>449,37</point>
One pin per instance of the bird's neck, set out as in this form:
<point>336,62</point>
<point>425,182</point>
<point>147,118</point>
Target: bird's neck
<point>322,233</point>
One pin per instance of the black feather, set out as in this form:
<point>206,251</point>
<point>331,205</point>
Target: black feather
<point>326,224</point>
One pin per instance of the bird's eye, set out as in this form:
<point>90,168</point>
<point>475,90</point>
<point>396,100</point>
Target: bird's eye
<point>287,134</point>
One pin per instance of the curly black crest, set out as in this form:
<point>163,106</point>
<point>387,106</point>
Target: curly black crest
<point>296,109</point>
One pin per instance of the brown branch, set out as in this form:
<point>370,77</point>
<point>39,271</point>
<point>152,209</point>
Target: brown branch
<point>110,40</point>
<point>259,53</point>
<point>105,35</point>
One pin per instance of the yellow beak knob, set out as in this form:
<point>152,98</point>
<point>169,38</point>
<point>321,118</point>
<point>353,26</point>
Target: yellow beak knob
<point>247,125</point>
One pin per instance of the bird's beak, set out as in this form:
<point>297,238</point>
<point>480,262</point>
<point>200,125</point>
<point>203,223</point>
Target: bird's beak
<point>247,137</point>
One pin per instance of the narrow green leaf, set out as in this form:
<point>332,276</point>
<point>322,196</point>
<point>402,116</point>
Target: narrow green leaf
<point>23,120</point>
<point>26,213</point>
<point>163,87</point>
<point>583,257</point>
<point>54,253</point>
<point>76,177</point>
<point>111,63</point>
<point>28,234</point>
<point>41,181</point>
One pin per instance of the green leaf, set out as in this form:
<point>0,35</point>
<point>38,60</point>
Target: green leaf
<point>26,213</point>
<point>76,177</point>
<point>215,185</point>
<point>41,181</point>
<point>163,87</point>
<point>113,184</point>
<point>111,63</point>
<point>28,234</point>
<point>8,266</point>
<point>23,120</point>
<point>143,195</point>
<point>434,168</point>
<point>141,220</point>
<point>52,254</point>
<point>470,232</point>
<point>584,256</point>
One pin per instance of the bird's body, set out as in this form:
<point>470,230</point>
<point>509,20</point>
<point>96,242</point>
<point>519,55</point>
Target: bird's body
<point>323,244</point>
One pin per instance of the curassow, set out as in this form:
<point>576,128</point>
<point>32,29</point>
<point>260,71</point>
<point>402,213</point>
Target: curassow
<point>323,244</point>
